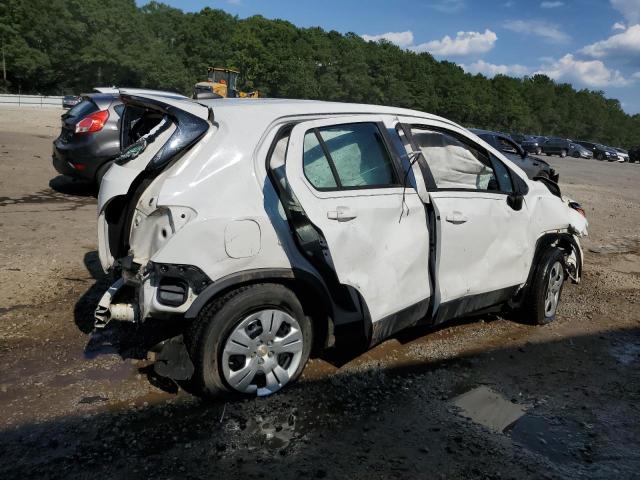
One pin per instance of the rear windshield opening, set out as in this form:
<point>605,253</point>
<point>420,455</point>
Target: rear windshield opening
<point>137,122</point>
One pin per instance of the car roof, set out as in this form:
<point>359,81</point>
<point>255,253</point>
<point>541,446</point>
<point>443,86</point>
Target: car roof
<point>280,107</point>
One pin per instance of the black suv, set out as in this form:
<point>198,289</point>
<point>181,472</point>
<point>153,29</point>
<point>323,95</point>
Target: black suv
<point>557,146</point>
<point>634,154</point>
<point>532,166</point>
<point>600,152</point>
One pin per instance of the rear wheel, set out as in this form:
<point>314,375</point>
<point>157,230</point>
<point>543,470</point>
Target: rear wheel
<point>253,341</point>
<point>563,153</point>
<point>544,295</point>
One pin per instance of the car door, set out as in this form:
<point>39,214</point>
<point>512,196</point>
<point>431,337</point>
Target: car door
<point>348,181</point>
<point>483,251</point>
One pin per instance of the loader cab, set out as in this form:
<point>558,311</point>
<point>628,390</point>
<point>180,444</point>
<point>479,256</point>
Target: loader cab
<point>224,79</point>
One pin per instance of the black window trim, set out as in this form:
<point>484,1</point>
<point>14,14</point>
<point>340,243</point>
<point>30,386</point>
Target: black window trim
<point>393,160</point>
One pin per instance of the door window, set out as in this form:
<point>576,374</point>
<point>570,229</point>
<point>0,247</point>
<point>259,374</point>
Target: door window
<point>346,157</point>
<point>455,164</point>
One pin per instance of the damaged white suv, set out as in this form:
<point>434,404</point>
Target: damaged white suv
<point>268,229</point>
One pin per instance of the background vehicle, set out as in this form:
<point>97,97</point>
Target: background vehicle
<point>90,137</point>
<point>556,146</point>
<point>221,83</point>
<point>578,151</point>
<point>329,218</point>
<point>533,167</point>
<point>634,154</point>
<point>622,154</point>
<point>70,101</point>
<point>600,152</point>
<point>533,144</point>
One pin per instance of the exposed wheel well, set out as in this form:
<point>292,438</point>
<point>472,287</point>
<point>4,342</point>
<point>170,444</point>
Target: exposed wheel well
<point>566,242</point>
<point>314,300</point>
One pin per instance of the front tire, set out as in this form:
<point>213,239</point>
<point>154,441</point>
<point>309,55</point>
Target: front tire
<point>544,296</point>
<point>538,151</point>
<point>252,341</point>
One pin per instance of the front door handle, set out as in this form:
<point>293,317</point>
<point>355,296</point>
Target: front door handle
<point>456,218</point>
<point>342,214</point>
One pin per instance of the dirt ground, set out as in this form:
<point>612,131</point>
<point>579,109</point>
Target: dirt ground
<point>75,404</point>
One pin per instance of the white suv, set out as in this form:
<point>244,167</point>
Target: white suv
<point>269,229</point>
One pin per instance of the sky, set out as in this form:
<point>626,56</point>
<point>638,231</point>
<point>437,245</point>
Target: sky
<point>591,44</point>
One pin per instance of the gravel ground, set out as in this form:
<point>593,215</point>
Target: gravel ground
<point>74,404</point>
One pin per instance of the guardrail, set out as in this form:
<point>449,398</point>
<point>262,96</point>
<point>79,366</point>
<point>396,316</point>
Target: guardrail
<point>30,100</point>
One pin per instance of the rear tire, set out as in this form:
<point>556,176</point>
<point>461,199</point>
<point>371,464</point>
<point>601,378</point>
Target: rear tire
<point>252,341</point>
<point>563,153</point>
<point>544,295</point>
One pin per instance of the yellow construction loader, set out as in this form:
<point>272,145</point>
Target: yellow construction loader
<point>221,83</point>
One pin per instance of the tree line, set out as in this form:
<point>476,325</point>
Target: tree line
<point>70,46</point>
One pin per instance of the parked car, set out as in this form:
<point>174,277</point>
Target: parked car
<point>623,155</point>
<point>533,144</point>
<point>270,228</point>
<point>600,151</point>
<point>634,154</point>
<point>533,167</point>
<point>556,146</point>
<point>70,101</point>
<point>578,151</point>
<point>90,136</point>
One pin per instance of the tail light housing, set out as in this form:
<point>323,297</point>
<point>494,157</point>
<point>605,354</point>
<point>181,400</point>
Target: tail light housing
<point>93,122</point>
<point>578,208</point>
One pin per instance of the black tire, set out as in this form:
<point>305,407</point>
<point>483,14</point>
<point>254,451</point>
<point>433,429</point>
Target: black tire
<point>599,156</point>
<point>576,155</point>
<point>563,153</point>
<point>208,333</point>
<point>534,308</point>
<point>538,151</point>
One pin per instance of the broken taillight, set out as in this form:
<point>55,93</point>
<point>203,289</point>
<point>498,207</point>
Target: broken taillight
<point>93,122</point>
<point>578,208</point>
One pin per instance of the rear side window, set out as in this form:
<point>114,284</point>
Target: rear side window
<point>347,156</point>
<point>83,109</point>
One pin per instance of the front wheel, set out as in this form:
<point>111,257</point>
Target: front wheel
<point>538,151</point>
<point>546,288</point>
<point>576,155</point>
<point>253,341</point>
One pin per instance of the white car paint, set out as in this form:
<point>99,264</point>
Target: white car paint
<point>221,213</point>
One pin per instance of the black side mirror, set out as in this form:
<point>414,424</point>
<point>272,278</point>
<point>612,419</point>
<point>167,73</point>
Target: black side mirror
<point>514,200</point>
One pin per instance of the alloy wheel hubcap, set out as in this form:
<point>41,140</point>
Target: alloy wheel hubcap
<point>262,352</point>
<point>556,278</point>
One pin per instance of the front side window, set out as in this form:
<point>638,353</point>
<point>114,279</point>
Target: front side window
<point>454,163</point>
<point>347,156</point>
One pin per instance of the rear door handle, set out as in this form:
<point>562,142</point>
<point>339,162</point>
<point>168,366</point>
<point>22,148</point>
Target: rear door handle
<point>456,218</point>
<point>342,214</point>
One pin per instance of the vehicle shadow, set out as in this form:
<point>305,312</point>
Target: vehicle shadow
<point>71,186</point>
<point>393,421</point>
